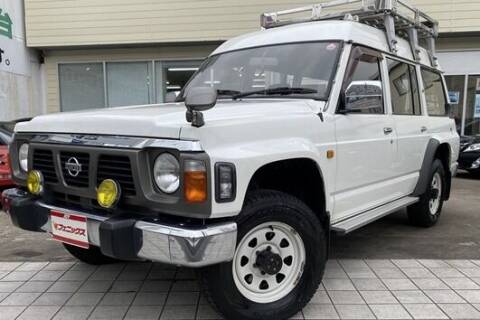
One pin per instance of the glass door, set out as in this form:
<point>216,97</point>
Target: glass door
<point>472,112</point>
<point>171,77</point>
<point>128,83</point>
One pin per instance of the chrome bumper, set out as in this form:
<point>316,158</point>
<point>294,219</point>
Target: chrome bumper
<point>171,244</point>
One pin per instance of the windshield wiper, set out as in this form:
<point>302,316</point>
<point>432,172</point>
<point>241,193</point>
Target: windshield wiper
<point>227,92</point>
<point>279,91</point>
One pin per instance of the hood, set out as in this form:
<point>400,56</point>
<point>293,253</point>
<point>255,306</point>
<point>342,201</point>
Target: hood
<point>160,121</point>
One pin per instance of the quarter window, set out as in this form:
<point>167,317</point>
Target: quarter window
<point>434,93</point>
<point>403,88</point>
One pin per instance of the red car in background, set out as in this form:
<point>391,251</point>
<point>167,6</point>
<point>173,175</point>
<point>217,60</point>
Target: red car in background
<point>5,138</point>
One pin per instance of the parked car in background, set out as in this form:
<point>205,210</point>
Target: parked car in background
<point>469,158</point>
<point>6,132</point>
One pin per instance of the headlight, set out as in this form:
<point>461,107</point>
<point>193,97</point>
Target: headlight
<point>23,156</point>
<point>473,147</point>
<point>166,172</point>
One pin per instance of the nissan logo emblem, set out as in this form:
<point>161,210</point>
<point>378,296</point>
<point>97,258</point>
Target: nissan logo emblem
<point>73,167</point>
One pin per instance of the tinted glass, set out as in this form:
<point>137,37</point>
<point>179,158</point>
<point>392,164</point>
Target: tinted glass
<point>81,86</point>
<point>403,88</point>
<point>171,77</point>
<point>128,83</point>
<point>363,89</point>
<point>434,93</point>
<point>303,65</point>
<point>456,89</point>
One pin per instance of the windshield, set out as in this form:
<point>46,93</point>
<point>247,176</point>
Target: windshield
<point>302,70</point>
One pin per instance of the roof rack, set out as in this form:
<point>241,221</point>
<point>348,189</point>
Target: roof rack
<point>395,17</point>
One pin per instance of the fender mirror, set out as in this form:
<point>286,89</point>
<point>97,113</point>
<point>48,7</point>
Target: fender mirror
<point>199,99</point>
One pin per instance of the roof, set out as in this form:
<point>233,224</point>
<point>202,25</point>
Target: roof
<point>322,31</point>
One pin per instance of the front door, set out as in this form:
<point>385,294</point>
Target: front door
<point>366,139</point>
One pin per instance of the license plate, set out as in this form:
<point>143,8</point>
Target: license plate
<point>69,228</point>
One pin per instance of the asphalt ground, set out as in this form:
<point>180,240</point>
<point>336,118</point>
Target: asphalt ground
<point>456,235</point>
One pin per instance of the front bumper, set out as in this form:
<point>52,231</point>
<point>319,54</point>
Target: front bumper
<point>132,239</point>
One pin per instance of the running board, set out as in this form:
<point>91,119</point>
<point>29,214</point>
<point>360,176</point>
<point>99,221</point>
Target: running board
<point>358,221</point>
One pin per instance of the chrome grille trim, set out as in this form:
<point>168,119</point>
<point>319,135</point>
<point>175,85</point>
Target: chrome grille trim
<point>117,141</point>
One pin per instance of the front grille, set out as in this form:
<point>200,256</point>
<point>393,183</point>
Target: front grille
<point>119,169</point>
<point>72,174</point>
<point>43,161</point>
<point>76,178</point>
<point>66,200</point>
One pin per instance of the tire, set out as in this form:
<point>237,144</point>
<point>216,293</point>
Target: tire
<point>266,211</point>
<point>426,212</point>
<point>92,256</point>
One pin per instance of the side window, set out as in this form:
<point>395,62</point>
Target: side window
<point>403,88</point>
<point>434,93</point>
<point>363,90</point>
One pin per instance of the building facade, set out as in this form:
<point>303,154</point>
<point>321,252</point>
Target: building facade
<point>22,91</point>
<point>120,52</point>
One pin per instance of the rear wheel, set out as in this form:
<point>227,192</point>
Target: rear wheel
<point>427,211</point>
<point>278,264</point>
<point>92,255</point>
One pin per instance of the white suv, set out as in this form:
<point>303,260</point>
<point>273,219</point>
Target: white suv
<point>281,137</point>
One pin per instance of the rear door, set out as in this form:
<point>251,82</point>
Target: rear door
<point>411,123</point>
<point>366,139</point>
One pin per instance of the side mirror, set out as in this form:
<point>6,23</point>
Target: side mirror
<point>199,99</point>
<point>362,96</point>
<point>171,96</point>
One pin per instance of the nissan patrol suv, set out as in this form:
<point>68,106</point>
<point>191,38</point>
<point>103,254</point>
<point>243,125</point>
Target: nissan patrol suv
<point>312,125</point>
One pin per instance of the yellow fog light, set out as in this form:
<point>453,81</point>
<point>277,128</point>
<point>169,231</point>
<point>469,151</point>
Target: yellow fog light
<point>108,193</point>
<point>35,182</point>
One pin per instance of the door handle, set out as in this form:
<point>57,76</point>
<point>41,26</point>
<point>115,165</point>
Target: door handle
<point>387,130</point>
<point>423,129</point>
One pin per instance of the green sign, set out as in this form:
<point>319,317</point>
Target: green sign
<point>5,25</point>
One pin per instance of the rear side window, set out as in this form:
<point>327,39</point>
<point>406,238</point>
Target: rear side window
<point>403,88</point>
<point>434,93</point>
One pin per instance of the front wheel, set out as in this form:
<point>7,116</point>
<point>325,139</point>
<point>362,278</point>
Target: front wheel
<point>427,211</point>
<point>278,263</point>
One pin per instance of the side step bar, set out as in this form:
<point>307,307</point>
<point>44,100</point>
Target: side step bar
<point>360,220</point>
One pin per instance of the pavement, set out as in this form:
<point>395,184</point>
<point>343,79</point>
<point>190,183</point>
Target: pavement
<point>386,270</point>
<point>351,289</point>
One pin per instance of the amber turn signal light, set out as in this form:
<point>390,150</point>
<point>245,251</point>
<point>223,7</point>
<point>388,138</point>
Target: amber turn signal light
<point>195,181</point>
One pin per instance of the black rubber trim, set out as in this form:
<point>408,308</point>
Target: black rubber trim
<point>424,178</point>
<point>119,239</point>
<point>26,215</point>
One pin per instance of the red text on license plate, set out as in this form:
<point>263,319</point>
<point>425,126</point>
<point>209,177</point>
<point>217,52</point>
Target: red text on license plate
<point>69,228</point>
